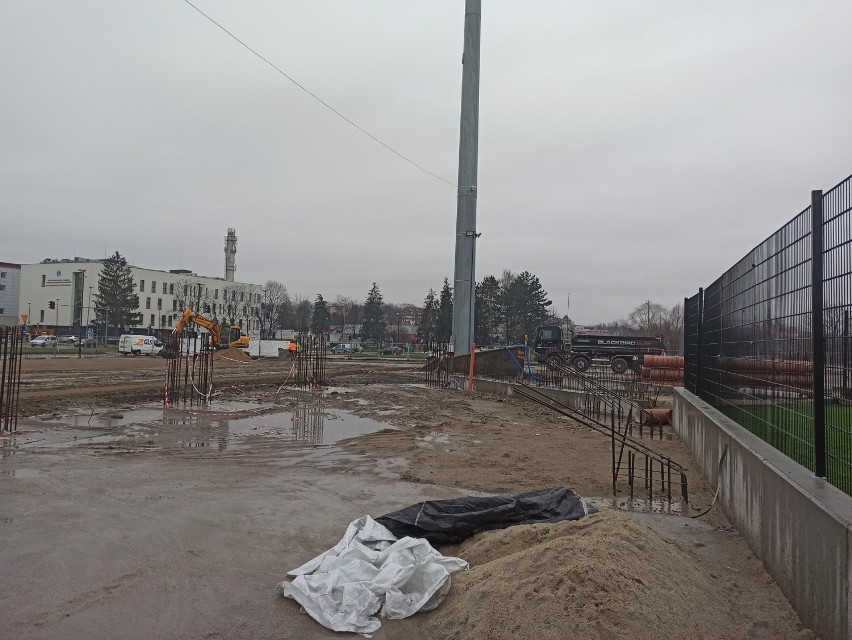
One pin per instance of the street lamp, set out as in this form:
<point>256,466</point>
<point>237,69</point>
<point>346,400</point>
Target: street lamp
<point>56,328</point>
<point>82,300</point>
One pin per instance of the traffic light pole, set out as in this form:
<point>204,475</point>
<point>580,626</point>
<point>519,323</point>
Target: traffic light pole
<point>56,327</point>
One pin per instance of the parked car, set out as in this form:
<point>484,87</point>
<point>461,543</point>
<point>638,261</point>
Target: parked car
<point>68,340</point>
<point>43,341</point>
<point>341,347</point>
<point>89,342</point>
<point>392,351</point>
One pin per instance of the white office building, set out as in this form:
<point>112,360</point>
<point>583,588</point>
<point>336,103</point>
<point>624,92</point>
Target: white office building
<point>62,294</point>
<point>10,293</point>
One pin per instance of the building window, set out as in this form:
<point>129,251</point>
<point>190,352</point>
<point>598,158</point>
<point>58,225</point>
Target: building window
<point>41,315</point>
<point>148,304</point>
<point>215,294</point>
<point>152,319</point>
<point>43,279</point>
<point>170,321</point>
<point>171,288</point>
<point>2,274</point>
<point>174,305</point>
<point>2,311</point>
<point>2,287</point>
<point>153,286</point>
<point>185,290</point>
<point>141,285</point>
<point>162,320</point>
<point>159,304</point>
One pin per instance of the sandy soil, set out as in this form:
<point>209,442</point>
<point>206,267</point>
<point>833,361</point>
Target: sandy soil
<point>179,524</point>
<point>491,443</point>
<point>605,576</point>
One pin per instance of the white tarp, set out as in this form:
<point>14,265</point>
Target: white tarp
<point>369,571</point>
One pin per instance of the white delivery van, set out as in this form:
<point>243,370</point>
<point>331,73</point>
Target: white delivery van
<point>129,344</point>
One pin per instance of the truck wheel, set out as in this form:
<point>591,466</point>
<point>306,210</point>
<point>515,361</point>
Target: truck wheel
<point>581,364</point>
<point>619,365</point>
<point>136,353</point>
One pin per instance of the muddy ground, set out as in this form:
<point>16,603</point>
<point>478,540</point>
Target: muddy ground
<point>178,524</point>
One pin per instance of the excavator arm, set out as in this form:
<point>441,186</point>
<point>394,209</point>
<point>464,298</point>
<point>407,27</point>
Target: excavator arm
<point>188,317</point>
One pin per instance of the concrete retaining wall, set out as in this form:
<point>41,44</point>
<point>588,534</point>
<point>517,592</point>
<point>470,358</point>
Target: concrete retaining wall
<point>493,362</point>
<point>568,398</point>
<point>798,525</point>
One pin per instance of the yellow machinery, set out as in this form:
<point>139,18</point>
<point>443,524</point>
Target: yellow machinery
<point>220,337</point>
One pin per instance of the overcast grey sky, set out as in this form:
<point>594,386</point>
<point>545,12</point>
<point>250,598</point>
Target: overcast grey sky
<point>627,150</point>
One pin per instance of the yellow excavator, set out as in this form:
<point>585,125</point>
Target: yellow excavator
<point>220,337</point>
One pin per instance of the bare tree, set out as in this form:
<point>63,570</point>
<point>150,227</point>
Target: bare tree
<point>276,305</point>
<point>302,313</point>
<point>192,293</point>
<point>238,306</point>
<point>647,317</point>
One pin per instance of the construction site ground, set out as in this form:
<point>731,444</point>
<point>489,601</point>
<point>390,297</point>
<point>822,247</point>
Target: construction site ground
<point>122,519</point>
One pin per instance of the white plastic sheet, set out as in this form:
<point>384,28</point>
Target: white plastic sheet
<point>370,572</point>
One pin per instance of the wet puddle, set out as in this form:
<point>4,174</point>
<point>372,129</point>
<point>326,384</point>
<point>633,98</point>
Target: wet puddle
<point>225,426</point>
<point>108,420</point>
<point>309,425</point>
<point>434,438</point>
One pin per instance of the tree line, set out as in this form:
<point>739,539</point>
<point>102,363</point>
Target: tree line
<point>650,319</point>
<point>507,310</point>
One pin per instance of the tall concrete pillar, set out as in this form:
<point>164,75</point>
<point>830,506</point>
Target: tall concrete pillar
<point>464,280</point>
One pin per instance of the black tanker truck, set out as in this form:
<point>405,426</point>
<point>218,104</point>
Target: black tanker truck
<point>622,352</point>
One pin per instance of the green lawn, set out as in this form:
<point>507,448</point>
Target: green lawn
<point>788,426</point>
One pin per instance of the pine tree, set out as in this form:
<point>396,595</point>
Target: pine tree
<point>373,325</point>
<point>321,318</point>
<point>526,305</point>
<point>487,310</point>
<point>444,329</point>
<point>116,302</point>
<point>428,317</point>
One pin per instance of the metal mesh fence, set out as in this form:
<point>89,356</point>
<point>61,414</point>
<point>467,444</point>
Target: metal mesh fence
<point>837,305</point>
<point>766,343</point>
<point>691,345</point>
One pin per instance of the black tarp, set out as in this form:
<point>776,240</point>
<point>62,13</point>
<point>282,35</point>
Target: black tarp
<point>451,521</point>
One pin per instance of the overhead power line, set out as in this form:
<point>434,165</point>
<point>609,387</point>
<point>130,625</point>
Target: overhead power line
<point>321,101</point>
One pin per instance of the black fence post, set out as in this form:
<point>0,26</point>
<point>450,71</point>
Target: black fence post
<point>700,341</point>
<point>845,364</point>
<point>818,331</point>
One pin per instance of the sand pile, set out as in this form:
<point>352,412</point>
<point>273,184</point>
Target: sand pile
<point>605,577</point>
<point>232,353</point>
